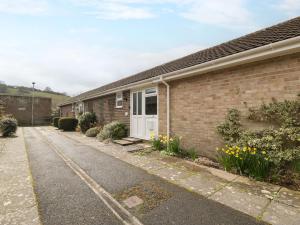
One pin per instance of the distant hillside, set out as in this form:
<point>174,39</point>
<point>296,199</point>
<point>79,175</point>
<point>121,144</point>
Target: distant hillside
<point>56,97</point>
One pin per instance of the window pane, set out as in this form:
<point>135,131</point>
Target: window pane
<point>151,105</point>
<point>134,103</point>
<point>139,103</point>
<point>150,91</point>
<point>119,95</point>
<point>119,103</point>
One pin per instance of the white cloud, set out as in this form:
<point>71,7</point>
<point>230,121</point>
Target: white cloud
<point>23,7</point>
<point>74,67</point>
<point>116,9</point>
<point>290,7</point>
<point>229,13</point>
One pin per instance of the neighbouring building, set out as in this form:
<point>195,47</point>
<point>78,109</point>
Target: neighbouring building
<point>190,96</point>
<point>20,107</point>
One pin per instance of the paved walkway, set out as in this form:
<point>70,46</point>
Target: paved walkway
<point>76,184</point>
<point>270,203</point>
<point>17,200</point>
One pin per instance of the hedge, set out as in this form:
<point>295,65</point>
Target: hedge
<point>67,123</point>
<point>55,121</point>
<point>8,126</point>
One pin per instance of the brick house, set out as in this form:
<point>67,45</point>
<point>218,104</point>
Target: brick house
<point>191,95</point>
<point>21,108</point>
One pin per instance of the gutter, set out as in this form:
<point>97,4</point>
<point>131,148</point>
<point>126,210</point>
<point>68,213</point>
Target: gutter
<point>280,48</point>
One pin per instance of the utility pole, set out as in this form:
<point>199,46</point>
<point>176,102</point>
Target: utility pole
<point>32,104</point>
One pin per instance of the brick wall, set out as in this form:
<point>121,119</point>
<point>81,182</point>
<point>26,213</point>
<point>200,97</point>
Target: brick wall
<point>199,104</point>
<point>66,111</point>
<point>21,107</point>
<point>106,111</point>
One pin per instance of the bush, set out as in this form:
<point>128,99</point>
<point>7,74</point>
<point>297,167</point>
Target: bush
<point>86,121</point>
<point>67,123</point>
<point>8,126</point>
<point>55,121</point>
<point>113,130</point>
<point>231,129</point>
<point>93,132</point>
<point>279,144</point>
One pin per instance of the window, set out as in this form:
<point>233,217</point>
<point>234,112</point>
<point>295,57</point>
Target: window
<point>137,108</point>
<point>134,103</point>
<point>140,95</point>
<point>151,105</point>
<point>151,101</point>
<point>119,100</point>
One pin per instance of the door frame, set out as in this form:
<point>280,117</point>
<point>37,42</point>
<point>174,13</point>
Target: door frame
<point>142,89</point>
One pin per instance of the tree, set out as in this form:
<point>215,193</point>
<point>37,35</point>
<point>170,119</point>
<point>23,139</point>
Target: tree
<point>48,89</point>
<point>3,88</point>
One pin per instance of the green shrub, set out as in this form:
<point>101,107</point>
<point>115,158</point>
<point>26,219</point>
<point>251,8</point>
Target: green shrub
<point>67,123</point>
<point>86,121</point>
<point>231,129</point>
<point>113,130</point>
<point>55,121</point>
<point>8,126</point>
<point>93,132</point>
<point>280,143</point>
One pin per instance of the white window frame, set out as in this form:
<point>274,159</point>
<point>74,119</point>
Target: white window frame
<point>118,99</point>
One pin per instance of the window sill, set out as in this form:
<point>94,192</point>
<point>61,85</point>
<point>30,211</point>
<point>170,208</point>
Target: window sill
<point>118,107</point>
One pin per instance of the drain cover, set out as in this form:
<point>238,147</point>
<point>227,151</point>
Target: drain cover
<point>133,201</point>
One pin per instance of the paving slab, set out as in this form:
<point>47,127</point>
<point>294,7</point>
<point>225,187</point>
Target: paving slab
<point>17,200</point>
<point>203,183</point>
<point>172,174</point>
<point>133,148</point>
<point>152,165</point>
<point>289,197</point>
<point>241,199</point>
<point>263,189</point>
<point>281,214</point>
<point>123,142</point>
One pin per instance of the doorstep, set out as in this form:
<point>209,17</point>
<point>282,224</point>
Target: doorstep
<point>128,141</point>
<point>267,202</point>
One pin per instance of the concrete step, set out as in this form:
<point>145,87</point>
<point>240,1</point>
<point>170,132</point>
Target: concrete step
<point>123,142</point>
<point>132,139</point>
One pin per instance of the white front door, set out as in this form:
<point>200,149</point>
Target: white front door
<point>144,113</point>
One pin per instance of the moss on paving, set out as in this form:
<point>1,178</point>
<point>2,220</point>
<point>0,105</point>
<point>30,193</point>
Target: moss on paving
<point>152,195</point>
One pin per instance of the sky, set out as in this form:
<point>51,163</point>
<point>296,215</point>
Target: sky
<point>76,45</point>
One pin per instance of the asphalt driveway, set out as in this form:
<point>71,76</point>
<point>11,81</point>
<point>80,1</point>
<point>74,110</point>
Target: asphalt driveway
<point>77,184</point>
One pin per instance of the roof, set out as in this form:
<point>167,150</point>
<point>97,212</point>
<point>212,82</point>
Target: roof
<point>282,31</point>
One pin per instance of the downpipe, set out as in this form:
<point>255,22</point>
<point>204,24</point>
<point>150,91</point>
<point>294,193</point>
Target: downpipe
<point>168,105</point>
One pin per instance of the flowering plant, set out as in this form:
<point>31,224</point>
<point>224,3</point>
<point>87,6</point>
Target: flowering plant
<point>170,145</point>
<point>246,160</point>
